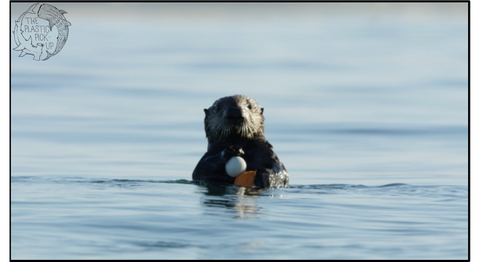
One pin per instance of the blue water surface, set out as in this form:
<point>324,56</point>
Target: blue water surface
<point>366,105</point>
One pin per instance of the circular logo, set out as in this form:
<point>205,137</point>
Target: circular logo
<point>41,31</point>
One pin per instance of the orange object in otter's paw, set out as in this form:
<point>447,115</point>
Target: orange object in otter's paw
<point>246,179</point>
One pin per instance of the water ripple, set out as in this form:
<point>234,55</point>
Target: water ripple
<point>443,191</point>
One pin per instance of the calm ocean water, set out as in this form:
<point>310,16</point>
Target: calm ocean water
<point>366,105</point>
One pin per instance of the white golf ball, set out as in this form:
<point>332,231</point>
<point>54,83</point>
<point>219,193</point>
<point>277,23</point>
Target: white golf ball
<point>235,166</point>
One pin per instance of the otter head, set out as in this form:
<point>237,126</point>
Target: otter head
<point>232,118</point>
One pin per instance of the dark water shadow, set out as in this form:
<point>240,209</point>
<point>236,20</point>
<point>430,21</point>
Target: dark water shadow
<point>239,202</point>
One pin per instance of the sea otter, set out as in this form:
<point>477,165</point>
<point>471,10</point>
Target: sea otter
<point>234,126</point>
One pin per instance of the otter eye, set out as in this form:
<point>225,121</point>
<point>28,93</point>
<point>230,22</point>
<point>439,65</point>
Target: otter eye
<point>250,106</point>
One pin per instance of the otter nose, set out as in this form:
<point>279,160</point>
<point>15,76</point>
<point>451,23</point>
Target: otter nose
<point>234,114</point>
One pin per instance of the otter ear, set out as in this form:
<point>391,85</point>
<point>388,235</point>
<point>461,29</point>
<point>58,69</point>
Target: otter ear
<point>206,111</point>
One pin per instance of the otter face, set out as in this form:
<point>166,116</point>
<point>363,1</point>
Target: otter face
<point>235,116</point>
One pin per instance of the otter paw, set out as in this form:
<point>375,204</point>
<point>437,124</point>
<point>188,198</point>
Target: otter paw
<point>263,178</point>
<point>230,151</point>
